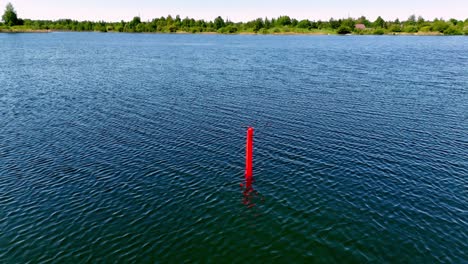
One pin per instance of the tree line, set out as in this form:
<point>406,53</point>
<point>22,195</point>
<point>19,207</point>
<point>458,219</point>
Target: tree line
<point>282,24</point>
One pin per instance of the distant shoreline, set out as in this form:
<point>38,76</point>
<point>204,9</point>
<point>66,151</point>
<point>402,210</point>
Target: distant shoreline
<point>282,25</point>
<point>16,31</point>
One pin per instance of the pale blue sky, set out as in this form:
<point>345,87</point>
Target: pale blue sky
<point>240,10</point>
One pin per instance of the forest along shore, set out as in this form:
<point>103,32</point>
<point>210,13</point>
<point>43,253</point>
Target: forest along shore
<point>283,25</point>
<point>16,30</point>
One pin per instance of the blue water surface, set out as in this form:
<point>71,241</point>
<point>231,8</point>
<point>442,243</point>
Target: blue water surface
<point>130,148</point>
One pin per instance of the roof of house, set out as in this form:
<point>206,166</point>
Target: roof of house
<point>360,26</point>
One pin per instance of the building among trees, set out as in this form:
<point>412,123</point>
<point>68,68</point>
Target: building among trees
<point>360,26</point>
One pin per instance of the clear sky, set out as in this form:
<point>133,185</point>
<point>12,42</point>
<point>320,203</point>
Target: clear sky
<point>238,10</point>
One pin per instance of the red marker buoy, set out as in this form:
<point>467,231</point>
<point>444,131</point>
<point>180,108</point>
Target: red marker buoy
<point>249,158</point>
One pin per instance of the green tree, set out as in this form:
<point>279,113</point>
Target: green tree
<point>411,20</point>
<point>169,20</point>
<point>231,29</point>
<point>452,30</point>
<point>140,28</point>
<point>283,21</point>
<point>440,25</point>
<point>379,22</point>
<point>454,21</point>
<point>219,23</point>
<point>304,24</point>
<point>335,24</point>
<point>343,30</point>
<point>258,24</point>
<point>349,22</point>
<point>395,28</point>
<point>420,21</point>
<point>267,23</point>
<point>294,22</point>
<point>9,17</point>
<point>132,25</point>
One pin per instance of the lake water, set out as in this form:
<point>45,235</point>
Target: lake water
<point>130,148</point>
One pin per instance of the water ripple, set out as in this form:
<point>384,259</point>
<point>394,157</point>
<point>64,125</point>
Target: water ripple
<point>360,148</point>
